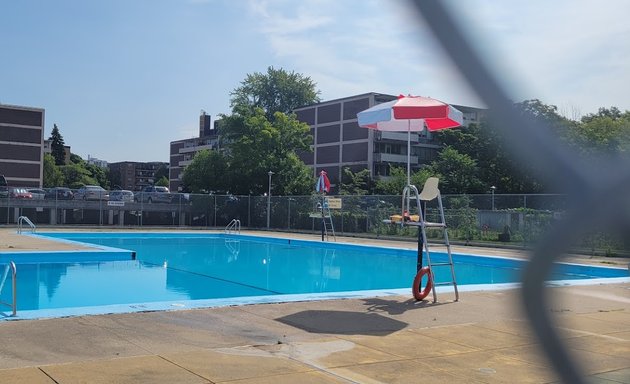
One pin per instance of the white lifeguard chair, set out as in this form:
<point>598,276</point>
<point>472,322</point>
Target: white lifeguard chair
<point>429,192</point>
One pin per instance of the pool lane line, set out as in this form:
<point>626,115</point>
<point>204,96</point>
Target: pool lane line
<point>218,278</point>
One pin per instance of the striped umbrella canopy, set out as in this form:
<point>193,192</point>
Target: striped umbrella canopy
<point>411,114</point>
<point>323,184</point>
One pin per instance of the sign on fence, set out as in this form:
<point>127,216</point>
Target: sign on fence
<point>333,202</point>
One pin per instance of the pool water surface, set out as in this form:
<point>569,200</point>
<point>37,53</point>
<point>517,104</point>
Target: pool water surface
<point>175,269</point>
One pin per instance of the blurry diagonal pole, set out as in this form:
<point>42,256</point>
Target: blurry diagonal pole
<point>593,185</point>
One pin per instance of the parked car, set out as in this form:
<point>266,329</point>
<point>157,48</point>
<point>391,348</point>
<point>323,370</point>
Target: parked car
<point>19,193</point>
<point>59,193</point>
<point>4,189</point>
<point>38,194</point>
<point>121,195</point>
<point>154,194</point>
<point>91,192</point>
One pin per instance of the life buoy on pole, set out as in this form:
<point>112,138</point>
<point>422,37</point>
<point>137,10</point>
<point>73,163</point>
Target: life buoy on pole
<point>415,288</point>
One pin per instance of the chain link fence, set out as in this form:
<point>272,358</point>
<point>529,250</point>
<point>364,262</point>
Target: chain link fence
<point>497,219</point>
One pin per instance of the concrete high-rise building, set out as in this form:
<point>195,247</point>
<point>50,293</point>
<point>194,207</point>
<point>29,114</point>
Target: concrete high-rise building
<point>183,151</point>
<point>339,142</point>
<point>133,175</point>
<point>22,145</point>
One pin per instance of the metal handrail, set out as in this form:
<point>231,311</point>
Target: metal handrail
<point>13,269</point>
<point>23,219</point>
<point>234,226</point>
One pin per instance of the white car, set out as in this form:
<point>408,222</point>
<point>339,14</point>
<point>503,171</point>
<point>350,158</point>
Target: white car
<point>91,192</point>
<point>121,195</point>
<point>38,194</point>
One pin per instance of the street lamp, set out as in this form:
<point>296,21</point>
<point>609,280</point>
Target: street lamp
<point>492,191</point>
<point>269,199</point>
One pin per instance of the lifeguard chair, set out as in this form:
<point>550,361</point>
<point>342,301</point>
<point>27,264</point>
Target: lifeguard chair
<point>429,192</point>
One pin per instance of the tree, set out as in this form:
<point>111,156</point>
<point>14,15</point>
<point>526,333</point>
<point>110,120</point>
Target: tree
<point>53,176</point>
<point>207,172</point>
<point>275,91</point>
<point>262,134</point>
<point>604,133</point>
<point>613,112</point>
<point>457,172</point>
<point>162,182</point>
<point>76,176</point>
<point>496,166</point>
<point>359,183</point>
<point>161,172</point>
<point>57,146</point>
<point>397,180</point>
<point>256,145</point>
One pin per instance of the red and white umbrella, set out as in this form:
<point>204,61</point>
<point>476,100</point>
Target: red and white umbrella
<point>323,184</point>
<point>411,113</point>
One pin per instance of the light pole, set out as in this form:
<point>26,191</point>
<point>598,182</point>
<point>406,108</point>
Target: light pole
<point>492,191</point>
<point>269,199</point>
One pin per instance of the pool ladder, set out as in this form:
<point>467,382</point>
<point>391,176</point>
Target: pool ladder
<point>10,267</point>
<point>22,220</point>
<point>233,227</point>
<point>430,192</point>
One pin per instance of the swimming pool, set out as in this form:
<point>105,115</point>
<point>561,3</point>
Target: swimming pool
<point>157,271</point>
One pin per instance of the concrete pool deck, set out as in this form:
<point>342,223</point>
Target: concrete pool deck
<point>483,338</point>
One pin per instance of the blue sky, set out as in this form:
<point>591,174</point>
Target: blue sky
<point>123,78</point>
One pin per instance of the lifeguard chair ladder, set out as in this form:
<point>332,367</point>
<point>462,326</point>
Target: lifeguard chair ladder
<point>329,228</point>
<point>430,192</point>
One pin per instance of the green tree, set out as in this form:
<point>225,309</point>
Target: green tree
<point>604,133</point>
<point>457,172</point>
<point>256,145</point>
<point>359,183</point>
<point>207,172</point>
<point>397,180</point>
<point>496,166</point>
<point>53,176</point>
<point>262,134</point>
<point>101,175</point>
<point>162,171</point>
<point>76,159</point>
<point>275,91</point>
<point>76,176</point>
<point>162,182</point>
<point>57,146</point>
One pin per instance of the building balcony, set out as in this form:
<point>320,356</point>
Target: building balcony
<point>396,136</point>
<point>392,158</point>
<point>184,163</point>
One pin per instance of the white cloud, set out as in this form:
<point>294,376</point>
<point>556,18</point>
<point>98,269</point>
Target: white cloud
<point>563,52</point>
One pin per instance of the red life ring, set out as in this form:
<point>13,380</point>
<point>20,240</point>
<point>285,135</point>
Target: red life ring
<point>415,288</point>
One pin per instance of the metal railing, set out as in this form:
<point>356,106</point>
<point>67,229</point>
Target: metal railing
<point>24,219</point>
<point>13,304</point>
<point>233,227</point>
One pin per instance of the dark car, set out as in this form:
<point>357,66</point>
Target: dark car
<point>4,189</point>
<point>59,193</point>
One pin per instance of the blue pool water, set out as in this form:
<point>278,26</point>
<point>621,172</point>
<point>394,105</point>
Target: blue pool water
<point>178,268</point>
